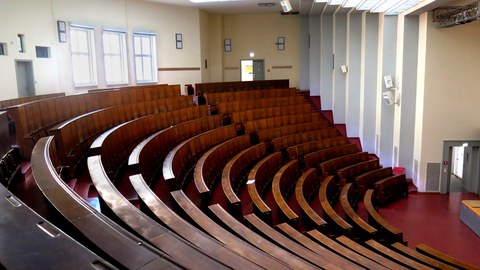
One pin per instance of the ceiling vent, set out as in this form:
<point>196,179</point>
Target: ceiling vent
<point>271,4</point>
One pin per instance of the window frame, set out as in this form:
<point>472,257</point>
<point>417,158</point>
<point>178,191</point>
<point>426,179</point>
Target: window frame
<point>91,54</point>
<point>123,55</point>
<point>152,56</point>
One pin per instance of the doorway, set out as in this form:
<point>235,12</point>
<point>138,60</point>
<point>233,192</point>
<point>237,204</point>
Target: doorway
<point>252,70</point>
<point>25,78</point>
<point>461,167</point>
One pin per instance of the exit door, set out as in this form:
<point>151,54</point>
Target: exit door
<point>25,78</point>
<point>252,70</point>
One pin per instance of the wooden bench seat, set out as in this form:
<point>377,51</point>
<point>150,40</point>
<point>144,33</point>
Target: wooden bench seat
<point>254,255</point>
<point>28,241</point>
<point>321,260</point>
<point>385,261</point>
<point>184,228</point>
<point>399,258</point>
<point>279,121</point>
<point>233,173</point>
<point>305,189</point>
<point>212,162</point>
<point>287,141</point>
<point>313,159</point>
<point>253,93</point>
<point>364,229</point>
<point>368,179</point>
<point>314,246</point>
<point>347,174</point>
<point>269,134</point>
<point>390,189</point>
<point>301,149</point>
<point>420,257</point>
<point>250,103</point>
<point>361,259</point>
<point>153,150</point>
<point>268,112</point>
<point>389,232</point>
<point>443,257</point>
<point>331,166</point>
<point>179,160</point>
<point>101,231</point>
<point>259,180</point>
<point>327,189</point>
<point>214,87</point>
<point>159,236</point>
<point>258,241</point>
<point>282,186</point>
<point>16,101</point>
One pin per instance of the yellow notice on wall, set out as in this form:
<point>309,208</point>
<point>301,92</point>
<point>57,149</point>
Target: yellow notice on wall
<point>249,69</point>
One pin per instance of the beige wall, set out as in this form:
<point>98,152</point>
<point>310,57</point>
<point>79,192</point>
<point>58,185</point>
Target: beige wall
<point>451,91</point>
<point>38,24</point>
<point>258,33</point>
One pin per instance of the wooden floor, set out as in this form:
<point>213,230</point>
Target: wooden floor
<point>434,219</point>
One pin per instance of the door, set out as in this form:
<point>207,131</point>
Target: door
<point>25,78</point>
<point>258,70</point>
<point>461,163</point>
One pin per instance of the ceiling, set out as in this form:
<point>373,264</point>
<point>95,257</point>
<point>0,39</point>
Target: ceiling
<point>304,7</point>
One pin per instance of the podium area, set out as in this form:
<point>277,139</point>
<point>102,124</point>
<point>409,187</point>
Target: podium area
<point>470,214</point>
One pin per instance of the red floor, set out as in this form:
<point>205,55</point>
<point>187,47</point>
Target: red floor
<point>434,219</point>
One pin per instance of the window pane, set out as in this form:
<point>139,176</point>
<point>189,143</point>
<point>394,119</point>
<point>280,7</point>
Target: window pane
<point>145,66</point>
<point>114,44</point>
<point>83,56</point>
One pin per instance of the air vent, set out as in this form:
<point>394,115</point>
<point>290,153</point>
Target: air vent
<point>271,4</point>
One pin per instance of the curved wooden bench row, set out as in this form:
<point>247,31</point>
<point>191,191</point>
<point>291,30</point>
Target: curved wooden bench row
<point>101,231</point>
<point>330,166</point>
<point>305,190</point>
<point>269,112</point>
<point>153,150</point>
<point>28,241</point>
<point>212,162</point>
<point>377,257</point>
<point>73,137</point>
<point>214,98</point>
<point>316,255</point>
<point>437,254</point>
<point>288,141</point>
<point>347,174</point>
<point>363,229</point>
<point>242,231</point>
<point>233,172</point>
<point>241,247</point>
<point>116,144</point>
<point>329,190</point>
<point>420,257</point>
<point>399,258</point>
<point>282,184</point>
<point>280,121</point>
<point>249,103</point>
<point>16,101</point>
<point>10,167</point>
<point>313,159</point>
<point>154,233</point>
<point>214,87</point>
<point>269,134</point>
<point>361,259</point>
<point>179,160</point>
<point>259,179</point>
<point>163,213</point>
<point>302,149</point>
<point>368,179</point>
<point>33,119</point>
<point>390,189</point>
<point>389,232</point>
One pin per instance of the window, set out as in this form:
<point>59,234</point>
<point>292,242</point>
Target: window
<point>115,57</point>
<point>145,57</point>
<point>3,48</point>
<point>20,41</point>
<point>42,52</point>
<point>83,55</point>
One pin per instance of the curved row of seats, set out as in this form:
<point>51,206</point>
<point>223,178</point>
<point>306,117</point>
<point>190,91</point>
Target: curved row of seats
<point>198,187</point>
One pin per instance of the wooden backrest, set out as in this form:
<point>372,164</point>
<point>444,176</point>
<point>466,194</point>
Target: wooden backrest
<point>269,134</point>
<point>15,101</point>
<point>282,184</point>
<point>274,122</point>
<point>299,138</point>
<point>330,167</point>
<point>327,188</point>
<point>213,87</point>
<point>314,158</point>
<point>368,179</point>
<point>302,149</point>
<point>347,174</point>
<point>364,230</point>
<point>268,112</point>
<point>248,102</point>
<point>390,232</point>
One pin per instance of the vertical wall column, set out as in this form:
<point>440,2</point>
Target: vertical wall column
<point>340,58</point>
<point>370,67</point>
<point>305,53</point>
<point>354,75</point>
<point>315,26</point>
<point>326,62</point>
